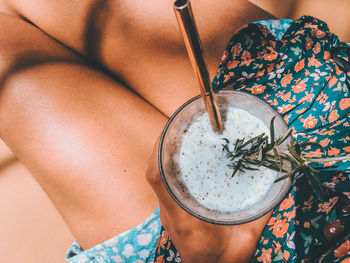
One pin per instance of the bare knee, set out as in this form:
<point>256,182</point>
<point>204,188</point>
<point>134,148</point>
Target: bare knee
<point>21,103</point>
<point>33,98</point>
<point>22,46</point>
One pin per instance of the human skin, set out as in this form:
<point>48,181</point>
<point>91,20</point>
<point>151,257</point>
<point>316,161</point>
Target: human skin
<point>82,134</point>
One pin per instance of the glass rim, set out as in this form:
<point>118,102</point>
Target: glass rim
<point>285,188</point>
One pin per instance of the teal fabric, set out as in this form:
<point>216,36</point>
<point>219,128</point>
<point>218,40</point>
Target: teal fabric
<point>136,245</point>
<point>298,76</point>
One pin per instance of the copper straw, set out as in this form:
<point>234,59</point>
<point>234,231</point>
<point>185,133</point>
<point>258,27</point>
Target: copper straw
<point>184,15</point>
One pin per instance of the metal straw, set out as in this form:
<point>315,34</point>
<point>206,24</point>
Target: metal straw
<point>184,15</point>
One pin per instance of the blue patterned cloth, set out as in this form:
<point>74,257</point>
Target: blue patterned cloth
<point>276,27</point>
<point>136,245</point>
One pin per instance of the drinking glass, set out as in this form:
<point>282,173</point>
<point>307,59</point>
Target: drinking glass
<point>175,186</point>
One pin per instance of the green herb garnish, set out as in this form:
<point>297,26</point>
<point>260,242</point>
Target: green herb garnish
<point>260,151</point>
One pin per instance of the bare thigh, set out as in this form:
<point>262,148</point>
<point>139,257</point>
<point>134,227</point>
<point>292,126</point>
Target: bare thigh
<point>84,137</point>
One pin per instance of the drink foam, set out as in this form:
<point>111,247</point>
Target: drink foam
<point>202,165</point>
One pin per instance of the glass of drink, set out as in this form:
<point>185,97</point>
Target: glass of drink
<point>196,171</point>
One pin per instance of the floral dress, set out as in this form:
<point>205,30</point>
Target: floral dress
<point>303,71</point>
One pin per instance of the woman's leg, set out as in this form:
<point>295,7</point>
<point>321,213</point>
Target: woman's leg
<point>84,137</point>
<point>141,42</point>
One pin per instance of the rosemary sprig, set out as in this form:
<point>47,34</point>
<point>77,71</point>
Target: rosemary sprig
<point>260,151</point>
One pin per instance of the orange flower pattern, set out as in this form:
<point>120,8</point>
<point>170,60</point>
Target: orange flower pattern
<point>333,116</point>
<point>236,50</point>
<point>343,249</point>
<point>300,87</point>
<point>309,44</point>
<point>246,58</point>
<point>324,142</point>
<point>287,202</point>
<point>258,89</point>
<point>333,151</point>
<point>344,103</point>
<point>317,48</point>
<point>265,256</point>
<point>279,227</point>
<point>299,66</point>
<point>310,122</point>
<point>286,80</point>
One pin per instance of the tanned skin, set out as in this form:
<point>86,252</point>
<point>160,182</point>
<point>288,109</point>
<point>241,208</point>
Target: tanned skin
<point>86,87</point>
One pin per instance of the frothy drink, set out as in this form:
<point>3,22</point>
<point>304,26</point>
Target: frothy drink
<point>201,165</point>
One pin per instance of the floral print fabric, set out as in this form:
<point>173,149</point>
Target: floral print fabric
<point>291,65</point>
<point>137,245</point>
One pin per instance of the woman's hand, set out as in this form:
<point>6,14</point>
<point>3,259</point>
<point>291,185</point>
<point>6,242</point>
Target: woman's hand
<point>198,241</point>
